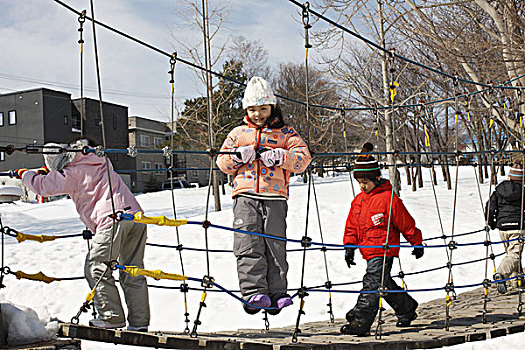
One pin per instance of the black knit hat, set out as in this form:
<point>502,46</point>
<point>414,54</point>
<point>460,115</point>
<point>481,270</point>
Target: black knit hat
<point>516,170</point>
<point>366,166</point>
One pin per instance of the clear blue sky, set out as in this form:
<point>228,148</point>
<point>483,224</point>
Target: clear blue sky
<point>38,40</point>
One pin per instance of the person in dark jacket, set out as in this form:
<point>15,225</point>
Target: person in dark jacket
<point>368,224</point>
<point>504,211</point>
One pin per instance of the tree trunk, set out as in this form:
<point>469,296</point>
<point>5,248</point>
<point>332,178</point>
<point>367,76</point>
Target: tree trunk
<point>389,130</point>
<point>209,93</point>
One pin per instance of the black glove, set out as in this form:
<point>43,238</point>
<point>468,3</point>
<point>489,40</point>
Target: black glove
<point>349,256</point>
<point>418,252</point>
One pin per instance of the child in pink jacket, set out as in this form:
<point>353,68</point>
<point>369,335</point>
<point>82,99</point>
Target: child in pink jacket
<point>85,179</point>
<point>267,151</point>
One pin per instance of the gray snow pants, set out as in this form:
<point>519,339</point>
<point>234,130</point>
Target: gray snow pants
<point>510,265</point>
<point>261,262</point>
<point>367,305</point>
<point>128,247</point>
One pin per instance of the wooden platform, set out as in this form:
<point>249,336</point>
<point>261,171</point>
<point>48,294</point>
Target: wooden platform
<point>50,345</point>
<point>427,331</point>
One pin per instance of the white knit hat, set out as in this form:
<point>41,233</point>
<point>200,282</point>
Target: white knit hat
<point>258,92</point>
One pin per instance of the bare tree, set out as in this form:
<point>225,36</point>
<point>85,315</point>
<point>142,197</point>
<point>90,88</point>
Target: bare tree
<point>252,55</point>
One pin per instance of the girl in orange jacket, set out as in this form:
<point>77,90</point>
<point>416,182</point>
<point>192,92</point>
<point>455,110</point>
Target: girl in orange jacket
<point>266,152</point>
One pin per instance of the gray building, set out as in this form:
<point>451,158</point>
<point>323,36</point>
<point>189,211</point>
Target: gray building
<point>40,116</point>
<point>196,167</point>
<point>147,134</point>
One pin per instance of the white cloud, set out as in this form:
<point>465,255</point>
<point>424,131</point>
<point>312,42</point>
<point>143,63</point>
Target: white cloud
<point>39,41</point>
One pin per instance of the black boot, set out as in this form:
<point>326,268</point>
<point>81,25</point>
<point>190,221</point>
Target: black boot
<point>355,328</point>
<point>274,298</point>
<point>406,320</point>
<point>250,310</point>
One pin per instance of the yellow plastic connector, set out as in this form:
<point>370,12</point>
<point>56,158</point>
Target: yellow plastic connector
<point>20,237</point>
<point>404,285</point>
<point>156,274</point>
<point>91,294</point>
<point>35,277</point>
<point>140,218</point>
<point>448,301</point>
<point>393,91</point>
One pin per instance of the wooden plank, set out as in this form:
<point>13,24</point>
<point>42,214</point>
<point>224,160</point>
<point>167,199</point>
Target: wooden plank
<point>69,344</point>
<point>427,332</point>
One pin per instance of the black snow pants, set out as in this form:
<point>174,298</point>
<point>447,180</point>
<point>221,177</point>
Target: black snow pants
<point>367,304</point>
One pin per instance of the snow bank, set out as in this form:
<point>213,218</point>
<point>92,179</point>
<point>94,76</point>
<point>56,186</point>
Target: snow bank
<point>23,325</point>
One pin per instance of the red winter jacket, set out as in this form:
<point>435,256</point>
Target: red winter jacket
<point>368,219</point>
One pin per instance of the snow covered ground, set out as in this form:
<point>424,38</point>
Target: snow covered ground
<point>65,257</point>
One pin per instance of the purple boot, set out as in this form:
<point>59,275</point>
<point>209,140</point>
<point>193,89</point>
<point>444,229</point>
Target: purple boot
<point>260,300</point>
<point>280,303</point>
<point>284,302</point>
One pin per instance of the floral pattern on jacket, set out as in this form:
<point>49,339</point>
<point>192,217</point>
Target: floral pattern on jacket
<point>255,177</point>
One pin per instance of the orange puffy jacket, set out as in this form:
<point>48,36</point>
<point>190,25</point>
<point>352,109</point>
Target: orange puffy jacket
<point>367,222</point>
<point>255,177</point>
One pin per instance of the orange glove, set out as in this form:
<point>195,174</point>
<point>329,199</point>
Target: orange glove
<point>43,170</point>
<point>17,173</point>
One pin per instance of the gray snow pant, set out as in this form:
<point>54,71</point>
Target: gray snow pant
<point>128,247</point>
<point>367,305</point>
<point>510,265</point>
<point>261,262</point>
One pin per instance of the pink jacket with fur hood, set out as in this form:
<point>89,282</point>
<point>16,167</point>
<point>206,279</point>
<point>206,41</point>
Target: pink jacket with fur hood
<point>255,177</point>
<point>85,180</point>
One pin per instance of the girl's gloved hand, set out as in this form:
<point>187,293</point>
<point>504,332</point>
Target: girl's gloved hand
<point>273,157</point>
<point>244,154</point>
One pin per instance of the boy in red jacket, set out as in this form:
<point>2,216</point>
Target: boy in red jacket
<point>368,224</point>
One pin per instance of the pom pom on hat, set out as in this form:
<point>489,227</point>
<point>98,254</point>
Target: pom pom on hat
<point>516,170</point>
<point>258,92</point>
<point>366,166</point>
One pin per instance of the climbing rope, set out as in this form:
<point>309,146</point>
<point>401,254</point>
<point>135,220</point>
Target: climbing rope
<point>382,289</point>
<point>184,286</point>
<point>305,241</point>
<point>209,71</point>
<point>207,280</point>
<point>90,296</point>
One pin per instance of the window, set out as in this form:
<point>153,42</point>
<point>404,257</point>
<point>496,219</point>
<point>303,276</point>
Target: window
<point>115,122</point>
<point>2,156</point>
<point>65,120</point>
<point>144,140</point>
<point>157,141</point>
<point>146,165</point>
<point>12,117</point>
<point>75,120</point>
<point>195,173</point>
<point>158,166</point>
<point>1,118</point>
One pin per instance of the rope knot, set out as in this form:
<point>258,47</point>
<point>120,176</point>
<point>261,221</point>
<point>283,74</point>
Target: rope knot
<point>87,234</point>
<point>306,242</point>
<point>132,151</point>
<point>207,282</point>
